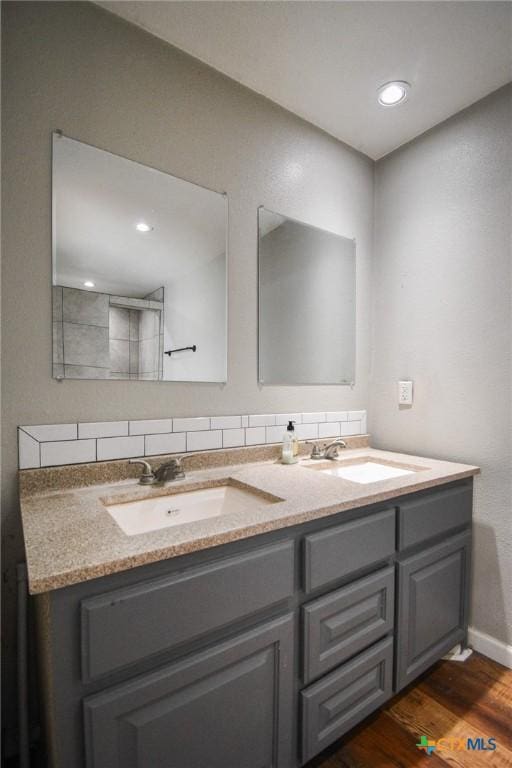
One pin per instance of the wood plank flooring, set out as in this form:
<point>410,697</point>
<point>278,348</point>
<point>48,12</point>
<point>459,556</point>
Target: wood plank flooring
<point>453,700</point>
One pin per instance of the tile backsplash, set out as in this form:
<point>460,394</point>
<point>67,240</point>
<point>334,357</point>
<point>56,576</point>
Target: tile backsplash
<point>50,445</point>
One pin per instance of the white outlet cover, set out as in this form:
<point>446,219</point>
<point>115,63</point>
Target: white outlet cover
<point>405,392</point>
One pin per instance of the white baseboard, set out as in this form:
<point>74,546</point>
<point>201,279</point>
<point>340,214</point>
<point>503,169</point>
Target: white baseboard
<point>489,646</point>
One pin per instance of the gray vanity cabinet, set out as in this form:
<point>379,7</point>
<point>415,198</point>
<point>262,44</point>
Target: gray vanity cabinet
<point>432,605</point>
<point>258,653</point>
<point>230,705</point>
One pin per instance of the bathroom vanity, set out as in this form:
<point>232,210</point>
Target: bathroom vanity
<point>245,643</point>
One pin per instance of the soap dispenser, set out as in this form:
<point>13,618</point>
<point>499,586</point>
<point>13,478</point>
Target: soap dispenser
<point>287,452</point>
<point>291,429</point>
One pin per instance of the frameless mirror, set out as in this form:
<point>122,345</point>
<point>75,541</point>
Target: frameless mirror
<point>306,303</point>
<point>139,271</point>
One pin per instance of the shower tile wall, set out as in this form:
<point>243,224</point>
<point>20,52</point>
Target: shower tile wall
<point>93,338</point>
<point>124,343</point>
<point>151,348</point>
<point>80,333</point>
<point>150,354</point>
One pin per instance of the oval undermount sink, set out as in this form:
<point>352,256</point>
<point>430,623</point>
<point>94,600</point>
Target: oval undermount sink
<point>135,517</point>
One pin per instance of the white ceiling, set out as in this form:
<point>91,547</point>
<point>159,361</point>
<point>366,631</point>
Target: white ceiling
<point>100,197</point>
<point>325,60</point>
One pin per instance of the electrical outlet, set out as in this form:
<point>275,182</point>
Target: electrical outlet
<point>405,393</point>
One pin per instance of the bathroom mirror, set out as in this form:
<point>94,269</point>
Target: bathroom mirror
<point>306,303</point>
<point>139,271</point>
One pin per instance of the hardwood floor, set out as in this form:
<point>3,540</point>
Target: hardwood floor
<point>453,700</point>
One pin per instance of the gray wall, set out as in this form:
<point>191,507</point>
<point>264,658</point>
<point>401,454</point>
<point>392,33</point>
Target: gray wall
<point>75,67</point>
<point>443,318</point>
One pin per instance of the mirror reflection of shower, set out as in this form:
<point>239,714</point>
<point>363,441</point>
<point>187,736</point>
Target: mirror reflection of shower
<point>142,357</point>
<point>97,335</point>
<point>139,268</point>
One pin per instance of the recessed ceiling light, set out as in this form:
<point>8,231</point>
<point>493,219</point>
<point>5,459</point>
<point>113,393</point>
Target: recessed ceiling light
<point>393,93</point>
<point>89,284</point>
<point>141,226</point>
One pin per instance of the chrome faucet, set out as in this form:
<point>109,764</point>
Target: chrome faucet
<point>171,470</point>
<point>329,451</point>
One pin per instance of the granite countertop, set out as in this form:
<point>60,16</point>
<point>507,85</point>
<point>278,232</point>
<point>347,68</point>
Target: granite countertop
<point>70,537</point>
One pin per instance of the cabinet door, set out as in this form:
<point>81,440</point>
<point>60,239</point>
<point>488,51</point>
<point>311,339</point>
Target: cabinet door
<point>228,706</point>
<point>433,591</point>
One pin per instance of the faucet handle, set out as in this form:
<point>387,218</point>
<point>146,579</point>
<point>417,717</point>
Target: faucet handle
<point>178,460</point>
<point>147,477</point>
<point>171,470</point>
<point>315,451</point>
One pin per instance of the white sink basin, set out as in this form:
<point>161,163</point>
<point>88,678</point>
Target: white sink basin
<point>366,472</point>
<point>135,517</point>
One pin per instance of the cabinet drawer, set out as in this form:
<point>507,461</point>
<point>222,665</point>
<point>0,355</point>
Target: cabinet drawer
<point>127,625</point>
<point>342,623</point>
<point>339,701</point>
<point>228,706</point>
<point>434,514</point>
<point>341,550</point>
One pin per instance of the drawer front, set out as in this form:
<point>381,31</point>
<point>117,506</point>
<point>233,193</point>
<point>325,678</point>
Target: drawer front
<point>344,622</point>
<point>343,698</point>
<point>434,514</point>
<point>226,707</point>
<point>127,625</point>
<point>344,549</point>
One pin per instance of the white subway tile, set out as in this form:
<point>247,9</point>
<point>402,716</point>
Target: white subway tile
<point>255,436</point>
<point>191,425</point>
<point>306,431</point>
<point>312,418</point>
<point>262,420</point>
<point>336,416</point>
<point>28,451</point>
<point>175,442</point>
<point>120,447</point>
<point>102,429</point>
<point>329,429</point>
<point>233,438</point>
<point>44,432</point>
<point>150,426</point>
<point>226,422</point>
<point>100,441</point>
<point>204,441</point>
<point>356,415</point>
<point>275,434</point>
<point>68,452</point>
<point>350,428</point>
<point>284,418</point>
